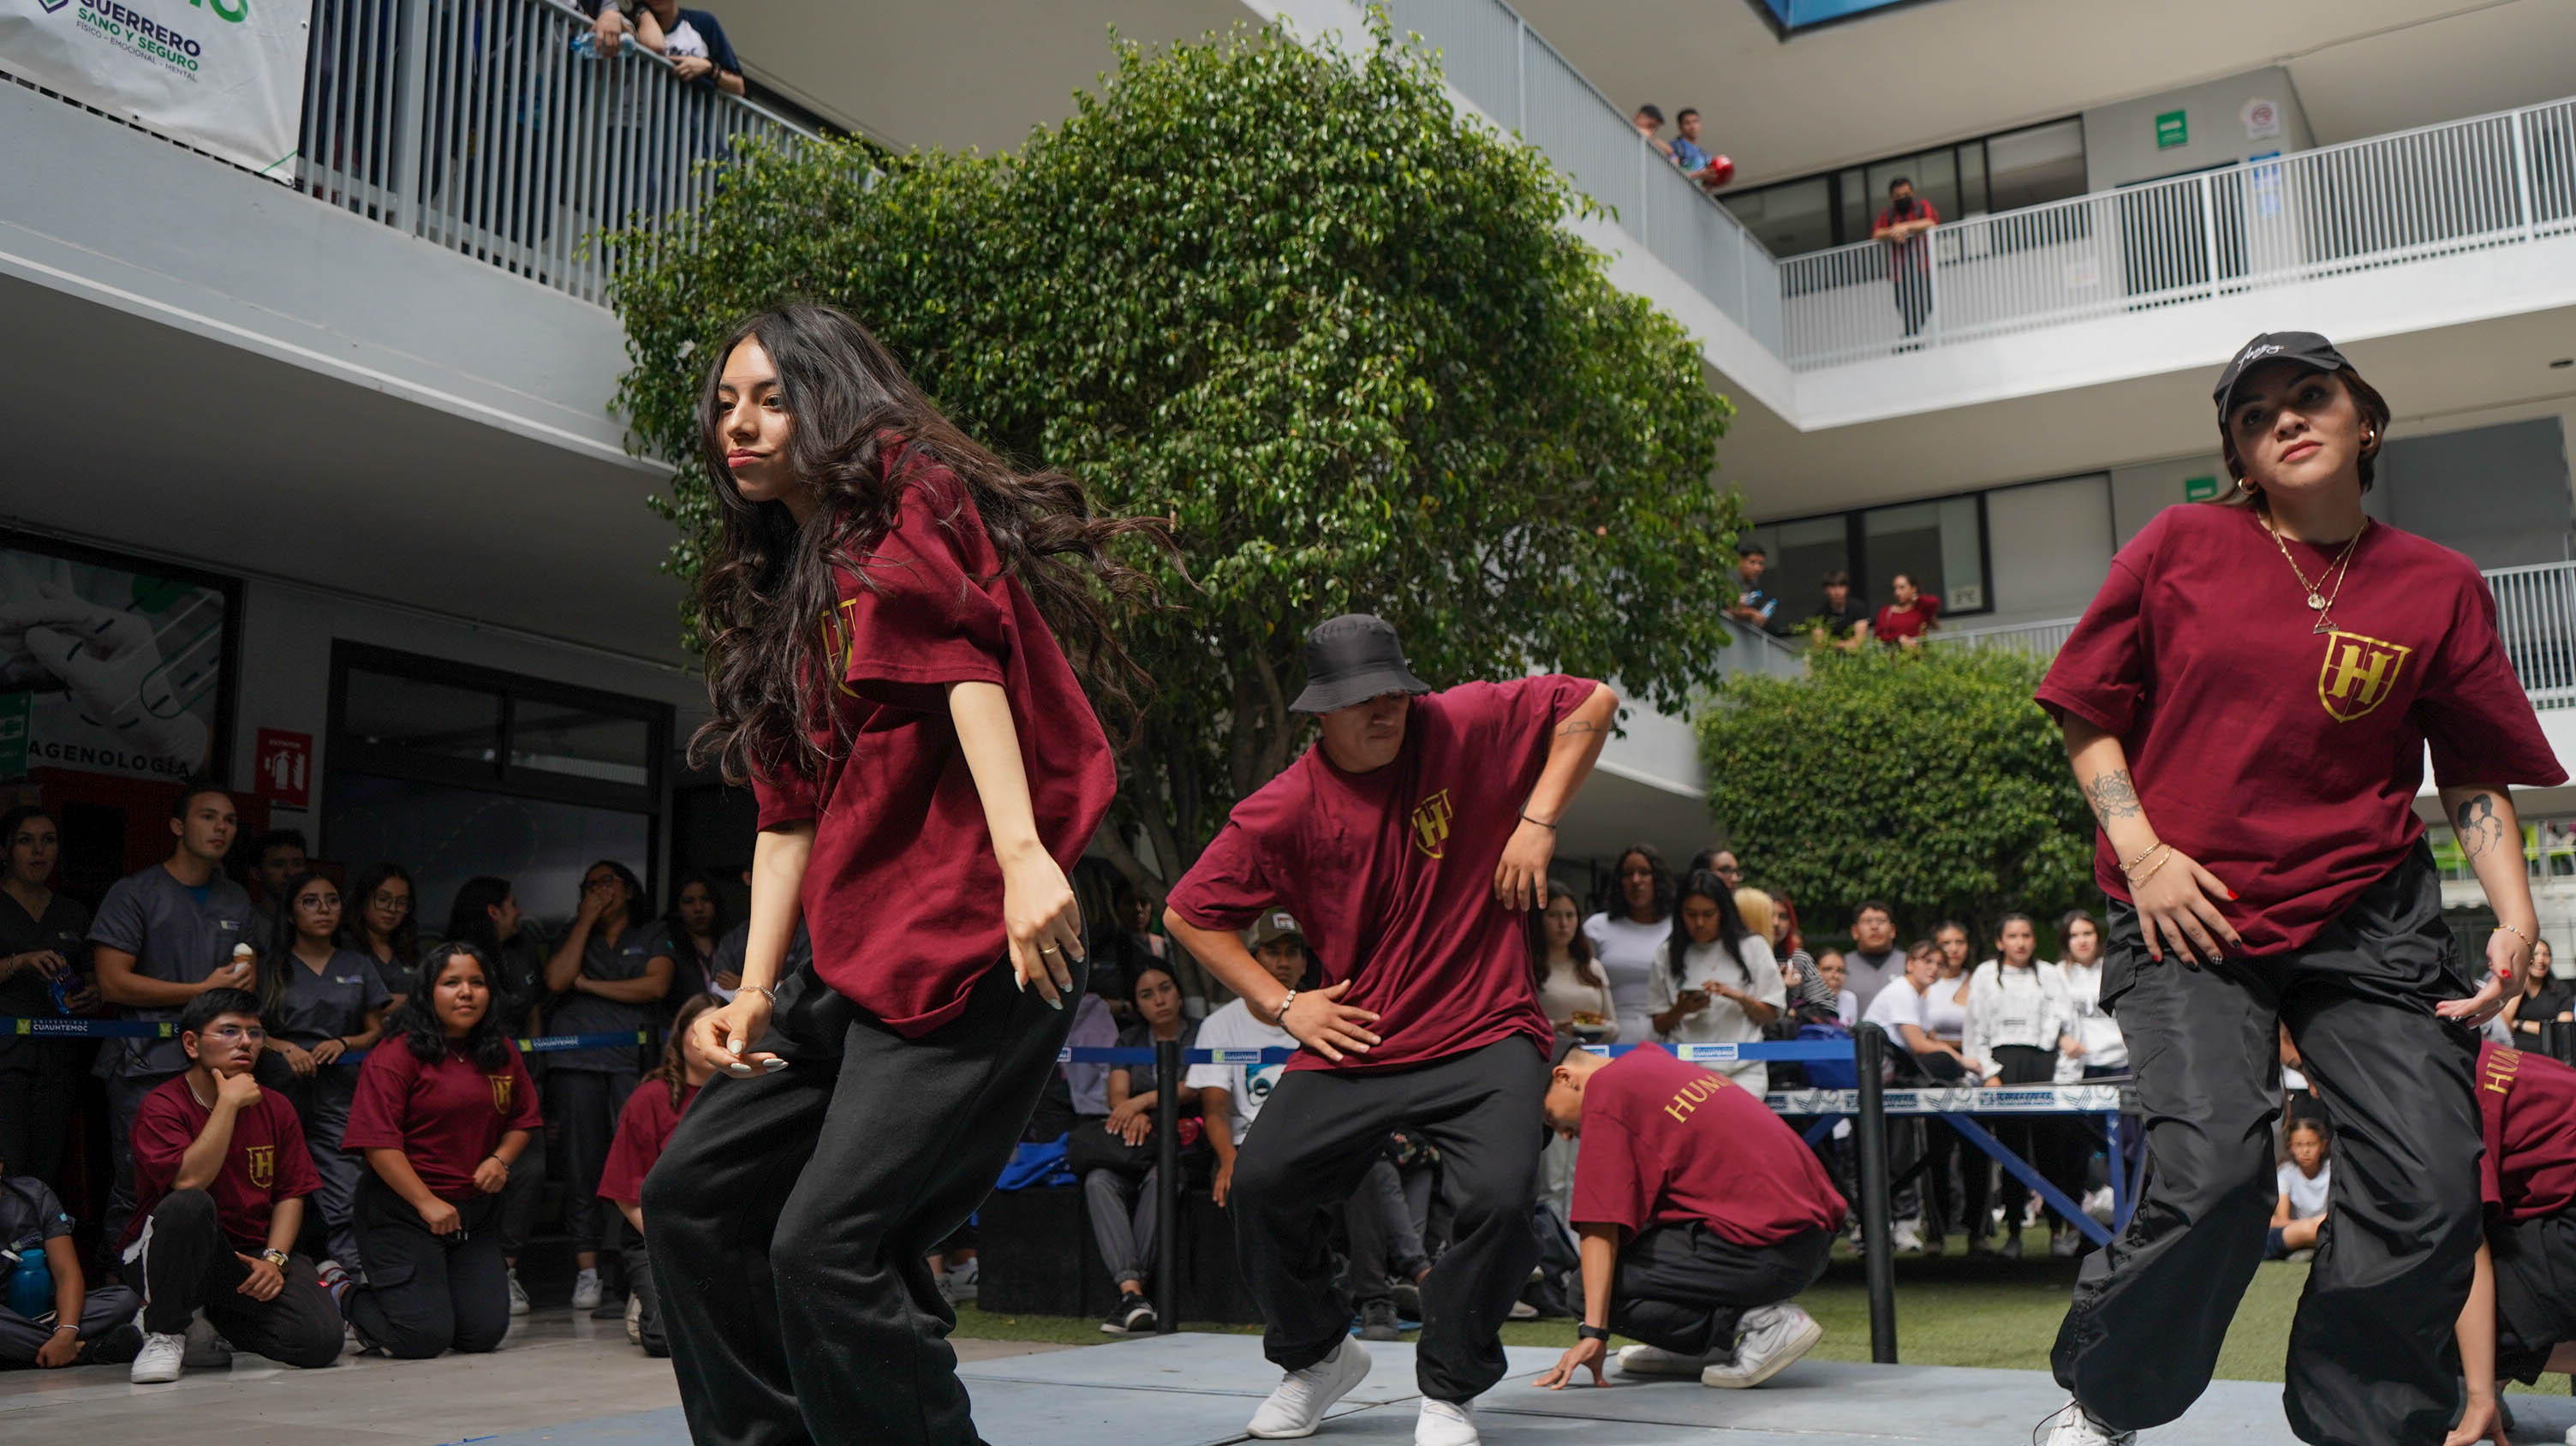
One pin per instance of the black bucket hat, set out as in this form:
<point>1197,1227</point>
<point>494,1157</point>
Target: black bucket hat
<point>2303,347</point>
<point>1351,659</point>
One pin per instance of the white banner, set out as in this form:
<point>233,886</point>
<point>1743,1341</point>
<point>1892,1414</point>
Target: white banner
<point>225,76</point>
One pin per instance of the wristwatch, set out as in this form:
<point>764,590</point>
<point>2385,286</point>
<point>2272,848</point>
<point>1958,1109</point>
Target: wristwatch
<point>274,1257</point>
<point>1590,1333</point>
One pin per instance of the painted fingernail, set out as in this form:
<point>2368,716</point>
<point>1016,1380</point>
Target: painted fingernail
<point>1020,979</point>
<point>773,1065</point>
<point>738,1070</point>
<point>1056,1004</point>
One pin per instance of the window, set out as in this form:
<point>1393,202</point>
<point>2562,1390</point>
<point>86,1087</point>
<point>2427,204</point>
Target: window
<point>2000,172</point>
<point>1940,544</point>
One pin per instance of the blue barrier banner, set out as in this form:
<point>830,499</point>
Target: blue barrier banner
<point>1794,1049</point>
<point>164,1029</point>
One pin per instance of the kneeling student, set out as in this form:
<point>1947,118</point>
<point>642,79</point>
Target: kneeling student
<point>442,1111</point>
<point>1701,1217</point>
<point>86,1327</point>
<point>644,1127</point>
<point>220,1178</point>
<point>2521,1317</point>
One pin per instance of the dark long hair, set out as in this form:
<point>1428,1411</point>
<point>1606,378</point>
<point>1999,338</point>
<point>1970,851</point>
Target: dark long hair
<point>353,908</point>
<point>639,904</point>
<point>671,908</point>
<point>768,585</point>
<point>1730,924</point>
<point>279,956</point>
<point>1663,873</point>
<point>673,1071</point>
<point>487,1043</point>
<point>469,919</point>
<point>1586,968</point>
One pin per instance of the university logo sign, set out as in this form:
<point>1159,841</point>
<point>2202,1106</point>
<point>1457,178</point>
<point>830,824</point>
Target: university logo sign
<point>261,1160</point>
<point>2358,674</point>
<point>1431,824</point>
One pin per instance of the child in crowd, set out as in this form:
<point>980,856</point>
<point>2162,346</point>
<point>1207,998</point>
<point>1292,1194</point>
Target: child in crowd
<point>652,1112</point>
<point>2300,1213</point>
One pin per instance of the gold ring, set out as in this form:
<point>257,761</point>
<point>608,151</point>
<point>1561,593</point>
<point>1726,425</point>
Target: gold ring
<point>1047,949</point>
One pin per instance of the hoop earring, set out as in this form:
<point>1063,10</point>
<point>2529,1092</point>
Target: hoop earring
<point>2245,485</point>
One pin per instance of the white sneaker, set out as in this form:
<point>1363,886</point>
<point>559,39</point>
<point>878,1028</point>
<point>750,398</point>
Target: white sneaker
<point>518,1294</point>
<point>964,1279</point>
<point>1446,1423</point>
<point>1907,1237</point>
<point>1302,1399</point>
<point>1656,1361</point>
<point>585,1290</point>
<point>2076,1427</point>
<point>634,1320</point>
<point>162,1359</point>
<point>1774,1336</point>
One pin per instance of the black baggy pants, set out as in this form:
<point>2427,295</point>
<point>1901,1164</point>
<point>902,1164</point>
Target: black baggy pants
<point>2535,1291</point>
<point>1318,1134</point>
<point>583,1106</point>
<point>1686,1287</point>
<point>789,1219</point>
<point>424,1292</point>
<point>2372,1359</point>
<point>189,1265</point>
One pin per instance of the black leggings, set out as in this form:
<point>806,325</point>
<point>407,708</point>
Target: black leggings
<point>424,1292</point>
<point>789,1217</point>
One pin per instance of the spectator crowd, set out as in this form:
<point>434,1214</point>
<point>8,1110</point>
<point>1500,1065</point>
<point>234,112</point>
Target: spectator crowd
<point>340,1144</point>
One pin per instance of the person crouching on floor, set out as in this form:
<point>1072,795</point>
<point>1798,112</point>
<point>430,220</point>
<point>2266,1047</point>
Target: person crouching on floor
<point>1701,1217</point>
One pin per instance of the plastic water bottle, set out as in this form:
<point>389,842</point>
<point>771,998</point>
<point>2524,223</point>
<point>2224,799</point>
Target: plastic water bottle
<point>31,1285</point>
<point>63,986</point>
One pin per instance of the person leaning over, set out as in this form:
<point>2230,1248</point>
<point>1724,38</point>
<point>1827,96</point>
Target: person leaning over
<point>2521,1317</point>
<point>1701,1215</point>
<point>86,1327</point>
<point>220,1178</point>
<point>1842,620</point>
<point>442,1111</point>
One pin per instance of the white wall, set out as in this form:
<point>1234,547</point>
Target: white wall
<point>2120,140</point>
<point>2048,547</point>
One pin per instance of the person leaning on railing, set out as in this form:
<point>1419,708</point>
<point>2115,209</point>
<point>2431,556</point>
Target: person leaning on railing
<point>692,41</point>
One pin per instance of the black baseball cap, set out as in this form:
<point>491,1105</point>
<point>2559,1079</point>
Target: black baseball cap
<point>2303,347</point>
<point>1351,659</point>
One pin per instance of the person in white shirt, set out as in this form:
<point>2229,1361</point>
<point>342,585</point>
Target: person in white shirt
<point>1231,1095</point>
<point>1715,981</point>
<point>1624,940</point>
<point>2092,1046</point>
<point>1577,998</point>
<point>2304,1178</point>
<point>2017,1017</point>
<point>1830,968</point>
<point>1898,1011</point>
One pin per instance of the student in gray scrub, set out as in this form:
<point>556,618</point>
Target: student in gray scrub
<point>162,937</point>
<point>44,951</point>
<point>608,979</point>
<point>383,923</point>
<point>320,1002</point>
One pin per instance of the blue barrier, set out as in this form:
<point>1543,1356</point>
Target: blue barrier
<point>1791,1049</point>
<point>65,1028</point>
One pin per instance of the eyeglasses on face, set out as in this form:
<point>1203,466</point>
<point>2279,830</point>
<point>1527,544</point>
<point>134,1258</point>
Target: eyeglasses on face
<point>235,1033</point>
<point>398,903</point>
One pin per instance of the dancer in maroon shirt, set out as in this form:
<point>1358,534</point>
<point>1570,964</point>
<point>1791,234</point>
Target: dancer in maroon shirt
<point>882,613</point>
<point>2247,705</point>
<point>2521,1316</point>
<point>1410,842</point>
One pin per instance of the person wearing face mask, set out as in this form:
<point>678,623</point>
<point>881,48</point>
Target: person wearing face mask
<point>2248,705</point>
<point>1909,256</point>
<point>320,1002</point>
<point>443,1112</point>
<point>1411,841</point>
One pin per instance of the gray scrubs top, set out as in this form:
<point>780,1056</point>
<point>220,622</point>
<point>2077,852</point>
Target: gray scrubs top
<point>589,1014</point>
<point>331,1004</point>
<point>173,938</point>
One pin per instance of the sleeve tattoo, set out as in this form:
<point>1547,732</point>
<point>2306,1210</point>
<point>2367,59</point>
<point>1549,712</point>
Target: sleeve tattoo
<point>2479,827</point>
<point>2112,795</point>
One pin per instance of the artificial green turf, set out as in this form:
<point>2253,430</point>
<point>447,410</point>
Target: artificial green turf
<point>1950,1311</point>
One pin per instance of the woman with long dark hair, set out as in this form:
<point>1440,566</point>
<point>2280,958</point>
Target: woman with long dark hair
<point>884,611</point>
<point>2017,1018</point>
<point>321,1001</point>
<point>442,1113</point>
<point>1624,938</point>
<point>688,933</point>
<point>1715,981</point>
<point>1120,1190</point>
<point>485,914</point>
<point>643,1130</point>
<point>1576,996</point>
<point>2247,706</point>
<point>610,979</point>
<point>382,921</point>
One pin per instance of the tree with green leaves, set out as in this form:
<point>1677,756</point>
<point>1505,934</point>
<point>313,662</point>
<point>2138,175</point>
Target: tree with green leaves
<point>1928,779</point>
<point>1294,303</point>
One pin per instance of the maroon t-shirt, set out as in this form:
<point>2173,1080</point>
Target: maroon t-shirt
<point>1666,1143</point>
<point>1391,872</point>
<point>446,1116</point>
<point>267,1162</point>
<point>1895,623</point>
<point>1914,250</point>
<point>642,1130</point>
<point>2527,1111</point>
<point>2284,760</point>
<point>902,894</point>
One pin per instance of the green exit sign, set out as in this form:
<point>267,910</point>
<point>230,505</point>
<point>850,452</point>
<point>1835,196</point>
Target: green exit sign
<point>2199,489</point>
<point>2173,129</point>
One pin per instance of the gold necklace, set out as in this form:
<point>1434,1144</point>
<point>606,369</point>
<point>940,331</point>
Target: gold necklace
<point>2319,601</point>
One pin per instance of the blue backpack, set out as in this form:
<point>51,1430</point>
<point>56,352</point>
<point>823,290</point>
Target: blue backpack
<point>1830,1074</point>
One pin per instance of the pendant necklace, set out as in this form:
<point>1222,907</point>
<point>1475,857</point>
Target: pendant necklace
<point>2320,601</point>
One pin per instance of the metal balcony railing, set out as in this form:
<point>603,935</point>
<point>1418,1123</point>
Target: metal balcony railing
<point>495,127</point>
<point>1492,57</point>
<point>2535,614</point>
<point>2493,180</point>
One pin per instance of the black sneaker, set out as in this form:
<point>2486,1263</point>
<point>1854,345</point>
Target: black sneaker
<point>116,1348</point>
<point>1408,1300</point>
<point>1132,1314</point>
<point>1378,1323</point>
